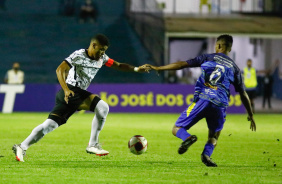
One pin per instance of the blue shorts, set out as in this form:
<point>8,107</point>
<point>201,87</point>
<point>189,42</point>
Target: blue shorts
<point>215,115</point>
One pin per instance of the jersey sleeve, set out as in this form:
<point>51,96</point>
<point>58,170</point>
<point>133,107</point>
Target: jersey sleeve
<point>73,59</point>
<point>107,61</point>
<point>197,61</point>
<point>238,82</point>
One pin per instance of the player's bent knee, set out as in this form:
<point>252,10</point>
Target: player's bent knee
<point>106,108</point>
<point>102,109</point>
<point>175,130</point>
<point>94,103</point>
<point>59,120</point>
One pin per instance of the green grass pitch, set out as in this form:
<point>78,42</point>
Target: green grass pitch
<point>60,157</point>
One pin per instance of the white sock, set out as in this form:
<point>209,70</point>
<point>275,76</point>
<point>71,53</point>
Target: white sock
<point>39,132</point>
<point>101,112</point>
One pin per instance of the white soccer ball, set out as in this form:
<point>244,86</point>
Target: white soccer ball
<point>137,144</point>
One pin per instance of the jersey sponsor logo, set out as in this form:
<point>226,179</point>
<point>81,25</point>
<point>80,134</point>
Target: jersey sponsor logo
<point>209,92</point>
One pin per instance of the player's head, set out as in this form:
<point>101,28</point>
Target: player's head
<point>101,39</point>
<point>16,66</point>
<point>98,46</point>
<point>249,63</point>
<point>223,44</point>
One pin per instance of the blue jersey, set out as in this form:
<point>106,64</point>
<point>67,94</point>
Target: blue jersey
<point>218,72</point>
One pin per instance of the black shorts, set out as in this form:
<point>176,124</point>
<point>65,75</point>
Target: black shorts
<point>251,93</point>
<point>62,111</point>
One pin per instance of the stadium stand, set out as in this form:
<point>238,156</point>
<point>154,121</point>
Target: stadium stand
<point>36,35</point>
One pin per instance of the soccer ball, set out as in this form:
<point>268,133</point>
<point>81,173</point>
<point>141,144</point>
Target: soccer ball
<point>137,144</point>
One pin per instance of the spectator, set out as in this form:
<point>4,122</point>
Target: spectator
<point>250,80</point>
<point>268,83</point>
<point>88,11</point>
<point>267,89</point>
<point>205,3</point>
<point>15,75</point>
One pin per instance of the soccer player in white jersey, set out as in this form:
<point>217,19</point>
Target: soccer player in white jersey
<point>75,74</point>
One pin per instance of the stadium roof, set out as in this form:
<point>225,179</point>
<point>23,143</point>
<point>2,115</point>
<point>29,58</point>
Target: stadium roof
<point>250,25</point>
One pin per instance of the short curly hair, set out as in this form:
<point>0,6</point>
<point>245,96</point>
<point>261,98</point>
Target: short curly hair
<point>227,38</point>
<point>102,39</point>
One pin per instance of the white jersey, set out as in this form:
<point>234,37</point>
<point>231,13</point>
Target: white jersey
<point>83,68</point>
<point>15,77</point>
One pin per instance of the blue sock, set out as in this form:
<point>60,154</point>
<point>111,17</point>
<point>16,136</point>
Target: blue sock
<point>209,147</point>
<point>182,134</point>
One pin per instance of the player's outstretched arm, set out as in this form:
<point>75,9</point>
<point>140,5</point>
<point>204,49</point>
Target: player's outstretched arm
<point>128,68</point>
<point>62,72</point>
<point>173,66</point>
<point>246,102</point>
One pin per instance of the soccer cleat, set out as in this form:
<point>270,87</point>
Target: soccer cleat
<point>186,144</point>
<point>19,152</point>
<point>97,149</point>
<point>207,161</point>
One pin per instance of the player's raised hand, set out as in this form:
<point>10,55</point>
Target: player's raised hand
<point>149,66</point>
<point>143,69</point>
<point>253,124</point>
<point>68,94</point>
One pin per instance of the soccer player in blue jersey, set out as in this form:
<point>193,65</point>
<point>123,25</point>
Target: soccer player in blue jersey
<point>211,96</point>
